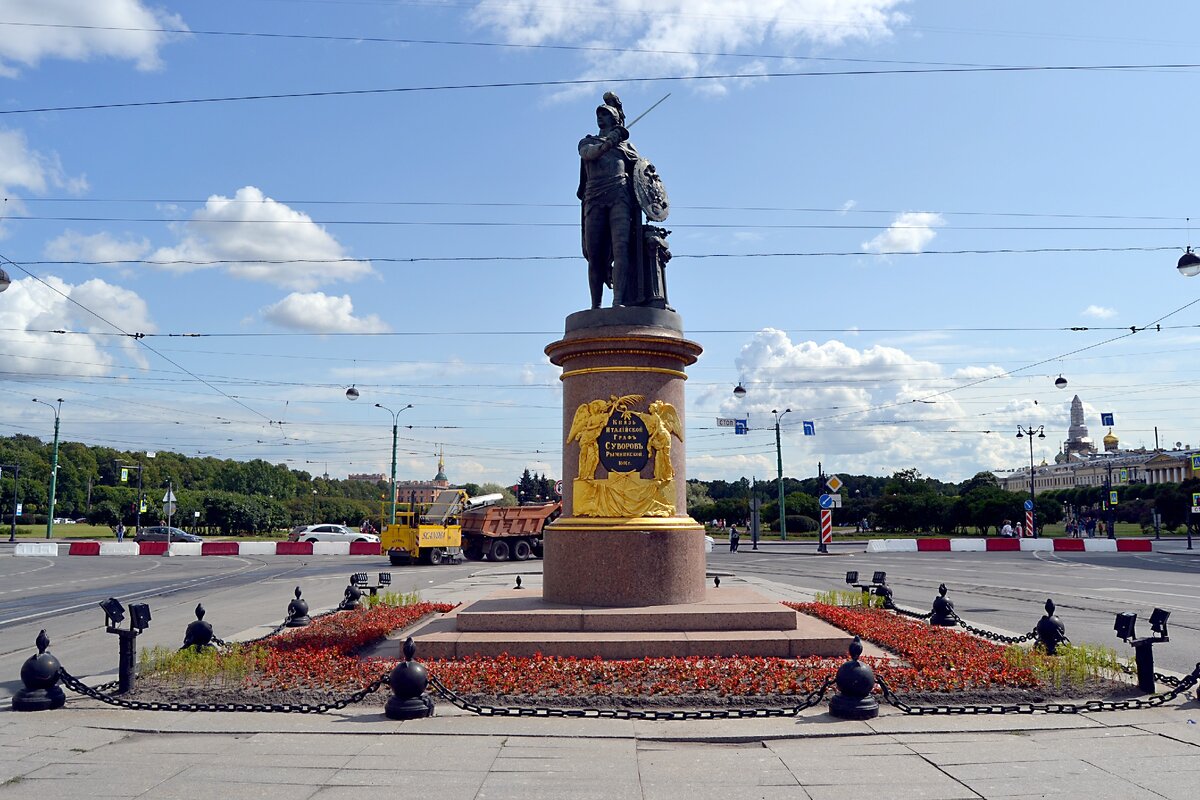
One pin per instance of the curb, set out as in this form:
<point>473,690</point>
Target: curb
<point>977,545</point>
<point>94,548</point>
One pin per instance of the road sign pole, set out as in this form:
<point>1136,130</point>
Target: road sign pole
<point>826,530</point>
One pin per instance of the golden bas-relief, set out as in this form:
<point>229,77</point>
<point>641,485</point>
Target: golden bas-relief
<point>613,435</point>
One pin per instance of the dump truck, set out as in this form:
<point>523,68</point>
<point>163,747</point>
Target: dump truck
<point>426,532</point>
<point>500,533</point>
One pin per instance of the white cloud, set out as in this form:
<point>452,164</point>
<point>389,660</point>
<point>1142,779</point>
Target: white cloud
<point>30,307</point>
<point>680,31</point>
<point>250,231</point>
<point>318,312</point>
<point>1099,312</point>
<point>848,206</point>
<point>910,232</point>
<point>75,246</point>
<point>876,409</point>
<point>24,170</point>
<point>40,36</point>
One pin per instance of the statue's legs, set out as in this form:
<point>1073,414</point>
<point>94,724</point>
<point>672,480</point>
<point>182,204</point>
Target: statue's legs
<point>599,249</point>
<point>620,217</point>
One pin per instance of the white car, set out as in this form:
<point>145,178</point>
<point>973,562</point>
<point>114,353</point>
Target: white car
<point>329,533</point>
<point>708,543</point>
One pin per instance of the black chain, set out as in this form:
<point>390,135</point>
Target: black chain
<point>1091,706</point>
<point>810,700</point>
<point>996,637</point>
<point>914,614</point>
<point>78,686</point>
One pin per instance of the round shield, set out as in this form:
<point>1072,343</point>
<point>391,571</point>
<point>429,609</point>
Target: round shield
<point>651,194</point>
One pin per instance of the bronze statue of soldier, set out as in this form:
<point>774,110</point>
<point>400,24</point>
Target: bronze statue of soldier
<point>616,185</point>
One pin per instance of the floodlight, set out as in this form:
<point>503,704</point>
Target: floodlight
<point>879,577</point>
<point>385,579</point>
<point>1158,621</point>
<point>139,616</point>
<point>1124,625</point>
<point>359,579</point>
<point>114,612</point>
<point>852,576</point>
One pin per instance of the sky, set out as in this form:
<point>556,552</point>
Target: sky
<point>902,220</point>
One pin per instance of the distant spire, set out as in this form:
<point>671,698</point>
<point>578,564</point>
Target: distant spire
<point>441,473</point>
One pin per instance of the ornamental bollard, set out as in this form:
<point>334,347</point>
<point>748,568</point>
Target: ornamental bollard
<point>40,675</point>
<point>943,610</point>
<point>855,681</point>
<point>1050,631</point>
<point>351,599</point>
<point>408,681</point>
<point>297,614</point>
<point>199,634</point>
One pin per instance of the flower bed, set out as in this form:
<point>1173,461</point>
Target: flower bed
<point>319,661</point>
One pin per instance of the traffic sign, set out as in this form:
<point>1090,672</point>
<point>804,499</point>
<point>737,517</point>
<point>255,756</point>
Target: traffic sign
<point>1106,418</point>
<point>810,427</point>
<point>740,426</point>
<point>1195,463</point>
<point>834,483</point>
<point>1196,498</point>
<point>826,501</point>
<point>826,526</point>
<point>124,475</point>
<point>19,507</point>
<point>1112,497</point>
<point>725,422</point>
<point>558,487</point>
<point>1029,505</point>
<point>169,497</point>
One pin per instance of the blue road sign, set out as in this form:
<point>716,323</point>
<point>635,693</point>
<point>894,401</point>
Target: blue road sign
<point>740,426</point>
<point>810,428</point>
<point>1106,418</point>
<point>826,501</point>
<point>1029,505</point>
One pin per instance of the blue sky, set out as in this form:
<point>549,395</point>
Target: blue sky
<point>868,228</point>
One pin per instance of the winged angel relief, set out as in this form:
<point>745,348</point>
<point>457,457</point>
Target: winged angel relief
<point>625,493</point>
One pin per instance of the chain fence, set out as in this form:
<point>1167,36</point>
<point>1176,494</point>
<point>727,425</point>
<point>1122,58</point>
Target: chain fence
<point>652,714</point>
<point>102,694</point>
<point>1181,685</point>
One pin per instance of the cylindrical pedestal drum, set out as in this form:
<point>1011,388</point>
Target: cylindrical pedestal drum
<point>624,538</point>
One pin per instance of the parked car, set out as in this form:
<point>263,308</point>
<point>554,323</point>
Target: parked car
<point>708,543</point>
<point>158,533</point>
<point>329,533</point>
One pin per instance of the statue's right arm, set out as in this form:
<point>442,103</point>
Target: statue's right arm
<point>592,147</point>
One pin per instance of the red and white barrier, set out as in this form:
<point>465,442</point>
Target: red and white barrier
<point>979,545</point>
<point>93,548</point>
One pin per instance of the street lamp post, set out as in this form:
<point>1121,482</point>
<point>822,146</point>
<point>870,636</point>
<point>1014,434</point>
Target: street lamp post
<point>53,464</point>
<point>1109,522</point>
<point>395,427</point>
<point>314,511</point>
<point>1029,431</point>
<point>16,468</point>
<point>137,514</point>
<point>779,464</point>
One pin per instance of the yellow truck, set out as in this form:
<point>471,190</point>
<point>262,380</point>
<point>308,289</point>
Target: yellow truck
<point>427,532</point>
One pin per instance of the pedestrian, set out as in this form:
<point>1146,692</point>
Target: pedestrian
<point>1006,529</point>
<point>1019,531</point>
<point>120,531</point>
<point>734,538</point>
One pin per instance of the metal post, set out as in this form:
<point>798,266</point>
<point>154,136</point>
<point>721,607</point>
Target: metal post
<point>128,659</point>
<point>137,520</point>
<point>754,521</point>
<point>395,428</point>
<point>393,490</point>
<point>16,468</point>
<point>53,464</point>
<point>1032,494</point>
<point>779,463</point>
<point>1111,521</point>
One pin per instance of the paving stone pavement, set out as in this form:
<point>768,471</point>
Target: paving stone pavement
<point>88,749</point>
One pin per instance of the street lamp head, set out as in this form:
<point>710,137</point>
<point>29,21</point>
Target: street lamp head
<point>1020,433</point>
<point>739,391</point>
<point>1060,382</point>
<point>1189,264</point>
<point>352,393</point>
<point>5,281</point>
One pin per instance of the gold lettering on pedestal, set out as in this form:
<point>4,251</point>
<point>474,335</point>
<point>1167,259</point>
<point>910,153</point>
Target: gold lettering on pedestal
<point>611,434</point>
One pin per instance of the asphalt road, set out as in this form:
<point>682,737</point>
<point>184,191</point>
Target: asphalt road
<point>1009,590</point>
<point>238,592</point>
<point>998,590</point>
